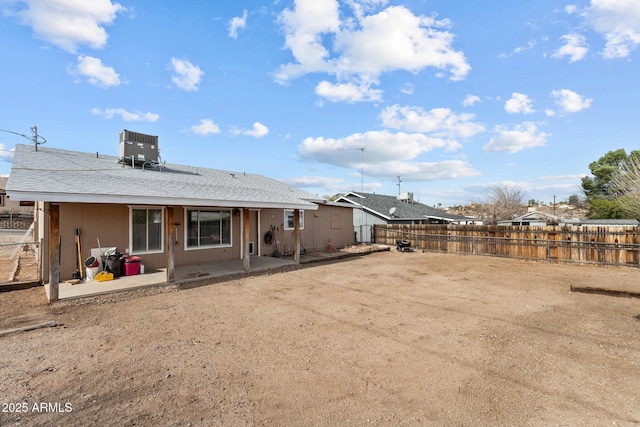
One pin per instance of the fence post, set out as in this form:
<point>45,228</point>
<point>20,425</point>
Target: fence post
<point>548,250</point>
<point>473,245</point>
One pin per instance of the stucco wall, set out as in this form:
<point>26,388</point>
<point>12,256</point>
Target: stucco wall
<point>328,222</point>
<point>110,224</point>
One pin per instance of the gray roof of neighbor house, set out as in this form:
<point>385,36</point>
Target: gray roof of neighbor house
<point>531,217</point>
<point>54,175</point>
<point>381,205</point>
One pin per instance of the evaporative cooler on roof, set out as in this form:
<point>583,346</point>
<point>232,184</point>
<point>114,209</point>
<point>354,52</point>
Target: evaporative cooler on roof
<point>138,148</point>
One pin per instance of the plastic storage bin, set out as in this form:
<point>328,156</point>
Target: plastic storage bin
<point>132,265</point>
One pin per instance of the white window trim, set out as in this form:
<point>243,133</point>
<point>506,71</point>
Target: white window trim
<point>158,251</point>
<point>186,229</point>
<point>286,227</point>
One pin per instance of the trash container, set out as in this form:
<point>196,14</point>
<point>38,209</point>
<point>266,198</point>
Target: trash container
<point>114,264</point>
<point>92,266</point>
<point>131,265</point>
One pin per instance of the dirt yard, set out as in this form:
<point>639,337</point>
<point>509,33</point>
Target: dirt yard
<point>383,340</point>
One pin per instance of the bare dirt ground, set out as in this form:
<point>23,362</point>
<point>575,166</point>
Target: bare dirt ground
<point>386,339</point>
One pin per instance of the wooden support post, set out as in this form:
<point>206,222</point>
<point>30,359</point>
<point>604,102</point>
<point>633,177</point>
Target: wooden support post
<point>246,264</point>
<point>54,252</point>
<point>296,235</point>
<point>171,237</point>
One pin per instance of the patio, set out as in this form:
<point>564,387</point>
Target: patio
<point>196,275</point>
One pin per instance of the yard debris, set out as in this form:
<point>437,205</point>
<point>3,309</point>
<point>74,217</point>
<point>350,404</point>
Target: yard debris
<point>48,324</point>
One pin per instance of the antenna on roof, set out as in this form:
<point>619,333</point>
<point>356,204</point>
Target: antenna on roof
<point>399,181</point>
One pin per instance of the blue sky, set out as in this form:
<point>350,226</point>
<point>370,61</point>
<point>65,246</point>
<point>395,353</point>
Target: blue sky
<point>452,97</point>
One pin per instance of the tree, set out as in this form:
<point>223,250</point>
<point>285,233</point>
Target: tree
<point>503,202</point>
<point>602,170</point>
<point>574,200</point>
<point>603,200</point>
<point>625,185</point>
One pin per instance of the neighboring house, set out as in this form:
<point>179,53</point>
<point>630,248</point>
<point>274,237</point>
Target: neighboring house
<point>533,218</point>
<point>170,215</point>
<point>8,206</point>
<point>371,209</point>
<point>542,219</point>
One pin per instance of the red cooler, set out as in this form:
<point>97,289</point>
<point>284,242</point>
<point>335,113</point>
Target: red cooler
<point>132,265</point>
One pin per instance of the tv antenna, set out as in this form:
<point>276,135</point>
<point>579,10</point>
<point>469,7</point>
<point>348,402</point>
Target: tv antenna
<point>34,138</point>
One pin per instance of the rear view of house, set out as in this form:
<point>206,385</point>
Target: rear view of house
<point>168,215</point>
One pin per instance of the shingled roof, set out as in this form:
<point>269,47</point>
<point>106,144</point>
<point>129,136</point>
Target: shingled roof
<point>380,205</point>
<point>54,175</point>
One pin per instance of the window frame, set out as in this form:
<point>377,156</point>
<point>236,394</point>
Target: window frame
<point>162,230</point>
<point>204,247</point>
<point>286,219</point>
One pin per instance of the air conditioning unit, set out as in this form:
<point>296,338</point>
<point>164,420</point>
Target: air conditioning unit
<point>138,148</point>
<point>406,197</point>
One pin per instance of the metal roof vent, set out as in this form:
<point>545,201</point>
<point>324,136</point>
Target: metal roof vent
<point>138,148</point>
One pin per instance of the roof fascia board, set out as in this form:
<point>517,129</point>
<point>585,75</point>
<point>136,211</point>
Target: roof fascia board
<point>122,199</point>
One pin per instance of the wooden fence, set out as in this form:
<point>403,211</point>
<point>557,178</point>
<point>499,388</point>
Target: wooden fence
<point>578,244</point>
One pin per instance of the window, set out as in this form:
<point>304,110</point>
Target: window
<point>288,220</point>
<point>208,228</point>
<point>1,199</point>
<point>147,230</point>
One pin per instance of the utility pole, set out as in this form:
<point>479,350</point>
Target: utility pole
<point>35,138</point>
<point>363,218</point>
<point>362,170</point>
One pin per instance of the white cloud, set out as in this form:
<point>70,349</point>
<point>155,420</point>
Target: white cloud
<point>520,137</point>
<point>259,130</point>
<point>367,45</point>
<point>206,127</point>
<point>127,116</point>
<point>316,182</point>
<point>407,89</point>
<point>574,47</point>
<point>96,72</point>
<point>186,75</point>
<point>530,45</point>
<point>237,23</point>
<point>348,92</point>
<point>440,122</point>
<point>519,103</point>
<point>570,101</point>
<point>6,155</point>
<point>423,171</point>
<point>471,100</point>
<point>380,146</point>
<point>619,22</point>
<point>68,24</point>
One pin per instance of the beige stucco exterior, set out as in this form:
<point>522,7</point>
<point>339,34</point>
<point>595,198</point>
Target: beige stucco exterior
<point>110,224</point>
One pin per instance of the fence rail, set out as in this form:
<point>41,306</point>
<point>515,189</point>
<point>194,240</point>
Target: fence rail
<point>595,245</point>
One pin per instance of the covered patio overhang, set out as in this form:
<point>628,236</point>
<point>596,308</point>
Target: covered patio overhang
<point>172,273</point>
